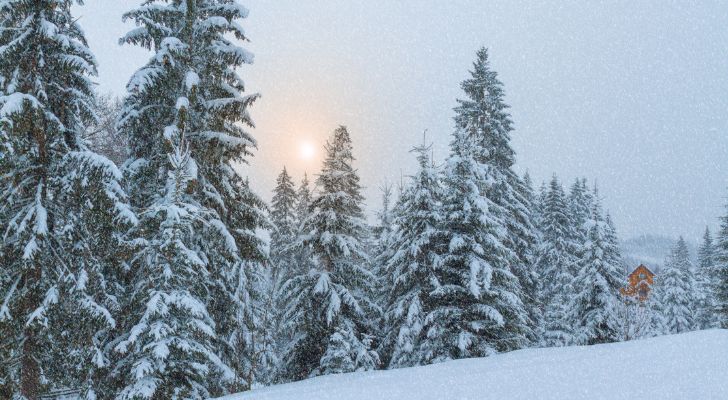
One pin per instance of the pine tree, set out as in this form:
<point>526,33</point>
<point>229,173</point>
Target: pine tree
<point>282,214</point>
<point>483,115</point>
<point>657,321</point>
<point>676,290</point>
<point>383,230</point>
<point>189,92</point>
<point>526,271</point>
<point>384,238</point>
<point>555,263</point>
<point>169,352</point>
<point>409,270</point>
<point>329,305</point>
<point>594,307</point>
<point>580,210</point>
<point>613,253</point>
<point>721,272</point>
<point>62,210</point>
<point>706,317</point>
<point>537,210</point>
<point>381,250</point>
<point>304,199</point>
<point>301,254</point>
<point>476,307</point>
<point>283,218</point>
<point>282,262</point>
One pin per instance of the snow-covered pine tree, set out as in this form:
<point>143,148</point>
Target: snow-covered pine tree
<point>706,317</point>
<point>721,272</point>
<point>382,230</point>
<point>580,209</point>
<point>613,253</point>
<point>409,270</point>
<point>301,253</point>
<point>381,250</point>
<point>62,209</point>
<point>483,114</point>
<point>385,215</point>
<point>282,261</point>
<point>169,352</point>
<point>304,198</point>
<point>475,306</point>
<point>190,89</point>
<point>531,195</point>
<point>283,218</point>
<point>676,290</point>
<point>657,322</point>
<point>329,306</point>
<point>595,304</point>
<point>383,237</point>
<point>537,210</point>
<point>556,258</point>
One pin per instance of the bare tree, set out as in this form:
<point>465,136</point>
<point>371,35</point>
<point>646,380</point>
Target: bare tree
<point>103,137</point>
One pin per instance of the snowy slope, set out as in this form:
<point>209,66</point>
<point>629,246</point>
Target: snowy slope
<point>688,366</point>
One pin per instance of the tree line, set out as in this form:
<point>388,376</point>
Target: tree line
<point>468,260</point>
<point>133,268</point>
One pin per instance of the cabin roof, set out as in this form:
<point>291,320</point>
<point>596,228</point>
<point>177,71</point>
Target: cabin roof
<point>642,267</point>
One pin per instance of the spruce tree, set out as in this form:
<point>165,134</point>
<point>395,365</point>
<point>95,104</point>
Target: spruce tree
<point>706,317</point>
<point>329,307</point>
<point>721,272</point>
<point>676,290</point>
<point>409,270</point>
<point>382,231</point>
<point>537,210</point>
<point>483,115</point>
<point>304,198</point>
<point>283,219</point>
<point>556,258</point>
<point>283,215</point>
<point>301,254</point>
<point>580,210</point>
<point>385,215</point>
<point>613,253</point>
<point>381,250</point>
<point>169,352</point>
<point>384,237</point>
<point>282,260</point>
<point>62,210</point>
<point>190,93</point>
<point>594,306</point>
<point>476,308</point>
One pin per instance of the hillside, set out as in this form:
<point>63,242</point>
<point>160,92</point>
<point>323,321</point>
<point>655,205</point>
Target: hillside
<point>688,366</point>
<point>650,250</point>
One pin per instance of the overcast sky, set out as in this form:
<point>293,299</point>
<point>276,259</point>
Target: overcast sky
<point>632,93</point>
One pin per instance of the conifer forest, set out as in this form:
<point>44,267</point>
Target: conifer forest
<point>143,256</point>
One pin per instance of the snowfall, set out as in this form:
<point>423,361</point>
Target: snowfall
<point>688,366</point>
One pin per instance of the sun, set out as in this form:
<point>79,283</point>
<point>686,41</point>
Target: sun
<point>307,151</point>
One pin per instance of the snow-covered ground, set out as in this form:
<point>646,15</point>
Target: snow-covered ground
<point>688,366</point>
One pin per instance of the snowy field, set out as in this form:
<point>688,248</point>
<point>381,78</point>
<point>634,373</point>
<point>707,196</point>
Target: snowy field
<point>689,366</point>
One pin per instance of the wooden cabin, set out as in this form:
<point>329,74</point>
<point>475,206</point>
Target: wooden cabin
<point>639,283</point>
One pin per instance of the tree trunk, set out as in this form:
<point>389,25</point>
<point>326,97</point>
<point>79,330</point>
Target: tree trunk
<point>29,368</point>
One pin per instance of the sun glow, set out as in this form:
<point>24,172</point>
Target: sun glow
<point>307,151</point>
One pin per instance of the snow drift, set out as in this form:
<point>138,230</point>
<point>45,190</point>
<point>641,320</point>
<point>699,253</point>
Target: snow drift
<point>687,366</point>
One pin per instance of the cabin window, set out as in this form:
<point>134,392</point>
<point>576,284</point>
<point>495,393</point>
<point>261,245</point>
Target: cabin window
<point>642,275</point>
